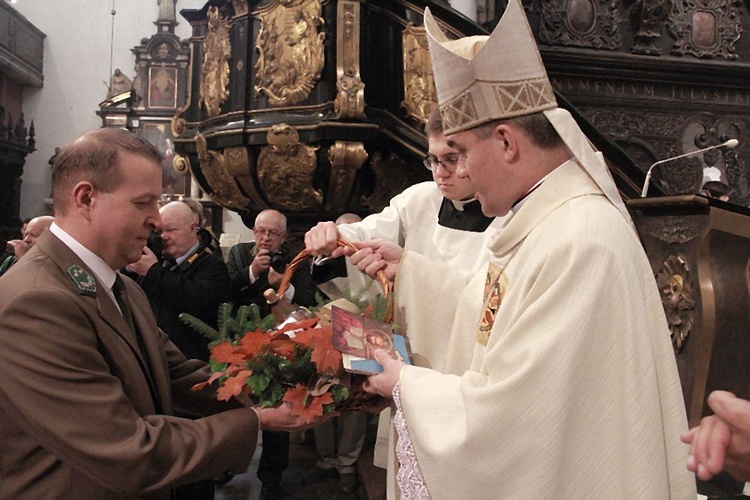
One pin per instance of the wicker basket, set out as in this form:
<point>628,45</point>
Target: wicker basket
<point>358,399</point>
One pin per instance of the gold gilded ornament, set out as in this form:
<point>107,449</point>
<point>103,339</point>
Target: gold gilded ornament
<point>290,50</point>
<point>215,68</point>
<point>676,289</point>
<point>215,168</point>
<point>286,169</point>
<point>420,96</point>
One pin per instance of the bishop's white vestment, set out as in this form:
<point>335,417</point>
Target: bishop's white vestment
<point>573,389</point>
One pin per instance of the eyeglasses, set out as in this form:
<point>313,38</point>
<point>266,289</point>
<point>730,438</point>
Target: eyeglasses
<point>449,163</point>
<point>271,233</point>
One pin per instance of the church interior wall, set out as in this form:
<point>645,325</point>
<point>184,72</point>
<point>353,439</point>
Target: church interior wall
<point>79,38</point>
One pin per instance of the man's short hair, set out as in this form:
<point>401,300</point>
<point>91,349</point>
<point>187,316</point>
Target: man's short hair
<point>93,157</point>
<point>536,126</point>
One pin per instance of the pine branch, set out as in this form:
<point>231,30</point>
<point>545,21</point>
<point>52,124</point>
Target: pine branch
<point>200,326</point>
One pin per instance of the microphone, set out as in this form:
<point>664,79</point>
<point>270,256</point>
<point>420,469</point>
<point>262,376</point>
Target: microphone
<point>731,143</point>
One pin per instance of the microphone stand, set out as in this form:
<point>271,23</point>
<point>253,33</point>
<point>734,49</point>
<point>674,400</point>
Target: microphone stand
<point>731,143</point>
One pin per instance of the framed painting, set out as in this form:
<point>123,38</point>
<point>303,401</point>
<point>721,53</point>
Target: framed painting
<point>160,135</point>
<point>162,87</point>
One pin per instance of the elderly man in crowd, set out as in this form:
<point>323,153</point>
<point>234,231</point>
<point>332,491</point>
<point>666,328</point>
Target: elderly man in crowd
<point>88,382</point>
<point>190,280</point>
<point>33,230</point>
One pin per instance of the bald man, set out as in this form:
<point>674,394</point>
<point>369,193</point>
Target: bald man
<point>33,230</point>
<point>191,280</point>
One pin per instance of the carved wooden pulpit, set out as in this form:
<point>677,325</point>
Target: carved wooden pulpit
<point>699,250</point>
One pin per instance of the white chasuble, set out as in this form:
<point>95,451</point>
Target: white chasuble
<point>572,390</point>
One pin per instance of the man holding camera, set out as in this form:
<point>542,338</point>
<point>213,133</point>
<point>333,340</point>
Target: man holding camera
<point>257,266</point>
<point>254,268</point>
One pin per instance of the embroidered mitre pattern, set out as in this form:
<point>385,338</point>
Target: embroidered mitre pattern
<point>524,97</point>
<point>459,111</point>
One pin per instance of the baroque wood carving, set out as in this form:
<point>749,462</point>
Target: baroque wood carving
<point>286,169</point>
<point>706,28</point>
<point>581,23</point>
<point>675,283</point>
<point>215,68</point>
<point>647,18</point>
<point>346,159</point>
<point>240,7</point>
<point>350,100</point>
<point>392,176</point>
<point>216,169</point>
<point>290,50</point>
<point>420,96</point>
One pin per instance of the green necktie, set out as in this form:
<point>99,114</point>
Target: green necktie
<point>121,296</point>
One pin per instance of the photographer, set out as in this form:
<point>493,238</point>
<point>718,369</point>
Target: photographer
<point>253,269</point>
<point>257,266</point>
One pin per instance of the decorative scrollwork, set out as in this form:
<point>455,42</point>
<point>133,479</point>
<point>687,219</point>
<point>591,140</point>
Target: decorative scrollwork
<point>581,23</point>
<point>350,100</point>
<point>676,289</point>
<point>217,50</point>
<point>647,18</point>
<point>346,158</point>
<point>221,185</point>
<point>286,169</point>
<point>420,96</point>
<point>290,51</point>
<point>706,28</point>
<point>181,164</point>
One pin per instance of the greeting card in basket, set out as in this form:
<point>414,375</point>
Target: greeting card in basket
<point>358,337</point>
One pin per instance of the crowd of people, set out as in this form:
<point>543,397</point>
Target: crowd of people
<point>542,360</point>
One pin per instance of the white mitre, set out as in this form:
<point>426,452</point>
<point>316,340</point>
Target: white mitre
<point>501,76</point>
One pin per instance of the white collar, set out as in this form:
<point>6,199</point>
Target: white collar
<point>460,204</point>
<point>97,265</point>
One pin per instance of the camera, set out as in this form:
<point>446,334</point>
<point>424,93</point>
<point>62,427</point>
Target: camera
<point>155,244</point>
<point>279,261</point>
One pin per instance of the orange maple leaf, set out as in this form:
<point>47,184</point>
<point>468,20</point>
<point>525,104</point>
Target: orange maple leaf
<point>326,358</point>
<point>227,353</point>
<point>254,342</point>
<point>283,346</point>
<point>315,336</point>
<point>315,408</point>
<point>303,404</point>
<point>233,386</point>
<point>297,398</point>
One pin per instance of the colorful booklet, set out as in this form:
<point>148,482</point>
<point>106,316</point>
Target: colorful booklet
<point>358,337</point>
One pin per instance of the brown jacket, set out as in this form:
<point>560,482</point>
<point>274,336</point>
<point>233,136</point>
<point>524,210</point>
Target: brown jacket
<point>77,416</point>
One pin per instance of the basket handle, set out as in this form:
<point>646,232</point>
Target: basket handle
<point>385,283</point>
